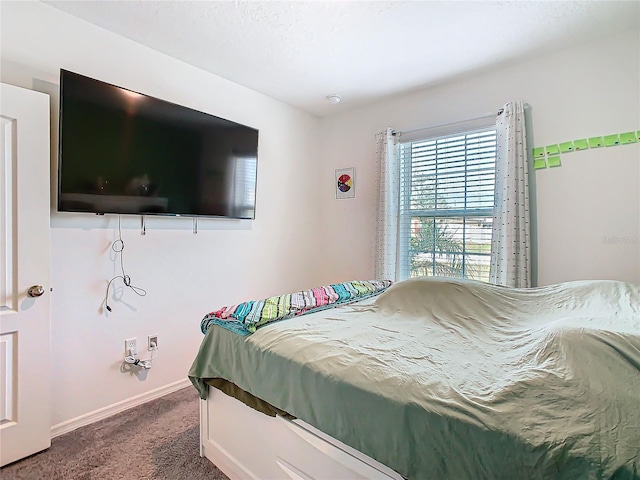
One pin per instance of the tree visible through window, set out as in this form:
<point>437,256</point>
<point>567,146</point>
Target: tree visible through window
<point>446,205</point>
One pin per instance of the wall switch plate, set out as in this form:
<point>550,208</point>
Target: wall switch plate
<point>131,346</point>
<point>152,339</point>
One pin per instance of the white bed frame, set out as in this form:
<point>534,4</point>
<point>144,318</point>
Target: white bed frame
<point>246,444</point>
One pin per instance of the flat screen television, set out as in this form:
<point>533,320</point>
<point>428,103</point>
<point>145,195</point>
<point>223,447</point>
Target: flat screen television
<point>125,152</point>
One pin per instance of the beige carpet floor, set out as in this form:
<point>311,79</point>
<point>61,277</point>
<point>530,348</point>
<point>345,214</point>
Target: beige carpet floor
<point>157,440</point>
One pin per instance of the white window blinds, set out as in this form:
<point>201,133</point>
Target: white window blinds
<point>446,205</point>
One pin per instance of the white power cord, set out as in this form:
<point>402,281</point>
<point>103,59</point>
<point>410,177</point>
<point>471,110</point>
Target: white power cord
<point>118,247</point>
<point>133,359</point>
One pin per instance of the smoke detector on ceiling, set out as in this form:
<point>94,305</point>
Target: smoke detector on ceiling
<point>334,99</point>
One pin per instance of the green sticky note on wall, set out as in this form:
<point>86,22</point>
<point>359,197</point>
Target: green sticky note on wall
<point>539,163</point>
<point>581,144</point>
<point>552,149</point>
<point>538,152</point>
<point>595,142</point>
<point>553,161</point>
<point>628,137</point>
<point>611,140</point>
<point>566,147</point>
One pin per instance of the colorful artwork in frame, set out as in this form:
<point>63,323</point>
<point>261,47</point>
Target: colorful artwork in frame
<point>345,183</point>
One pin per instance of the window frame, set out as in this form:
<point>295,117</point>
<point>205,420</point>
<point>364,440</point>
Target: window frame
<point>406,214</point>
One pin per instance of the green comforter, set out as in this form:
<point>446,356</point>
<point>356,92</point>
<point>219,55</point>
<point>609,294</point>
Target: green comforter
<point>453,379</point>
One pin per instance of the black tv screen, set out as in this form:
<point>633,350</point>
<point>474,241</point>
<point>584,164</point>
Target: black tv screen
<point>124,152</point>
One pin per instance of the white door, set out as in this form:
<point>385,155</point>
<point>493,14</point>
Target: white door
<point>25,418</point>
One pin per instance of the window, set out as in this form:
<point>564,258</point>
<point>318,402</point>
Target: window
<point>446,205</point>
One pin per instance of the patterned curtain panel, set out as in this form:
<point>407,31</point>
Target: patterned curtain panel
<point>388,174</point>
<point>510,248</point>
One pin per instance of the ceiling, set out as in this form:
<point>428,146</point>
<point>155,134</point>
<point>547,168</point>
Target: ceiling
<point>300,52</point>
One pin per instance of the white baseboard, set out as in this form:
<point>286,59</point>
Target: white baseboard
<point>102,413</point>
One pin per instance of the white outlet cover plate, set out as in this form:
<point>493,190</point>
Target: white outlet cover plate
<point>130,344</point>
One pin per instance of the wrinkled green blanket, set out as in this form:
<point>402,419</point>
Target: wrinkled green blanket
<point>451,379</point>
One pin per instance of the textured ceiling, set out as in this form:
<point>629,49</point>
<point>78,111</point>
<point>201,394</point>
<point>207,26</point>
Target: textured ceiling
<point>301,51</point>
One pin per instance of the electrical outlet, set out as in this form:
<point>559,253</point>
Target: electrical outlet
<point>152,342</point>
<point>131,346</point>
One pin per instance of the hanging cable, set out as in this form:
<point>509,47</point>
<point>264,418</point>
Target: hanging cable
<point>118,247</point>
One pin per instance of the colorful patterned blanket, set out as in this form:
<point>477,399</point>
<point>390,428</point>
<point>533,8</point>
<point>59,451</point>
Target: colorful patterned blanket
<point>246,317</point>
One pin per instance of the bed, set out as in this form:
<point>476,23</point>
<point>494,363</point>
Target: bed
<point>432,379</point>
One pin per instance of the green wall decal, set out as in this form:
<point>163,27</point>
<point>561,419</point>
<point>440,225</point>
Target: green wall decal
<point>538,152</point>
<point>628,137</point>
<point>552,149</point>
<point>539,163</point>
<point>611,140</point>
<point>595,142</point>
<point>566,147</point>
<point>581,144</point>
<point>554,161</point>
<point>549,156</point>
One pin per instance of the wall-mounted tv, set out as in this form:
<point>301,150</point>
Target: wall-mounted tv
<point>125,152</point>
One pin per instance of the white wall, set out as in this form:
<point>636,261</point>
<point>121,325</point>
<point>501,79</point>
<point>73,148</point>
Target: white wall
<point>185,275</point>
<point>588,210</point>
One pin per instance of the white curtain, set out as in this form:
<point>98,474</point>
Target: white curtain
<point>510,244</point>
<point>388,179</point>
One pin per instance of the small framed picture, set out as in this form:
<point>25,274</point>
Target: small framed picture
<point>345,183</point>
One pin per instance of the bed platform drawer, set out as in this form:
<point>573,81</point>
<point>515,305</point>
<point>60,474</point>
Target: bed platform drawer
<point>246,444</point>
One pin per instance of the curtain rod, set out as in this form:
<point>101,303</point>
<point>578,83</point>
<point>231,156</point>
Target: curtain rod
<point>486,115</point>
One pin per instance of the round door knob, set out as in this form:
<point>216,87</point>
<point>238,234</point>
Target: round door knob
<point>35,291</point>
